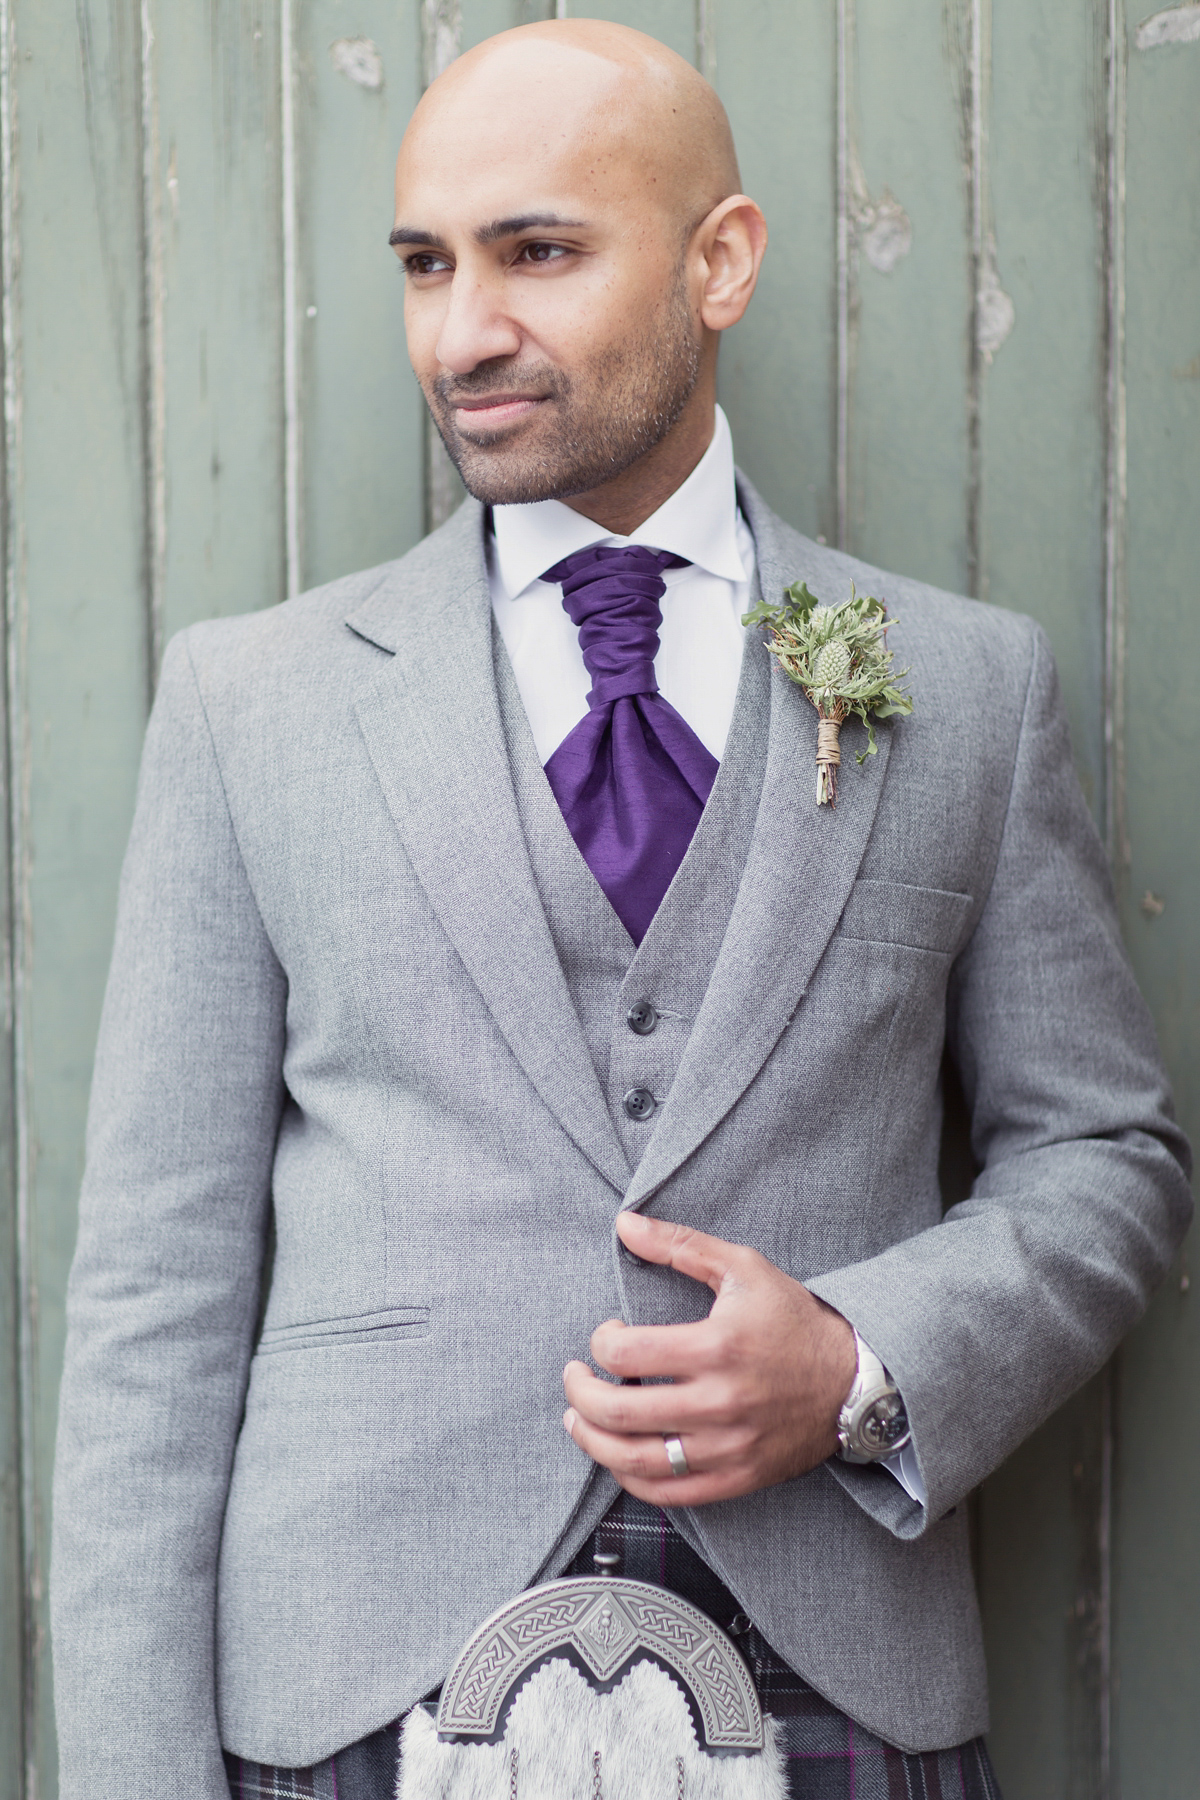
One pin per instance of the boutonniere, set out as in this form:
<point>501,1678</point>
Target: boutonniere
<point>839,656</point>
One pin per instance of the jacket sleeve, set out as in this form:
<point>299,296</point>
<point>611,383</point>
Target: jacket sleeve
<point>164,1289</point>
<point>990,1319</point>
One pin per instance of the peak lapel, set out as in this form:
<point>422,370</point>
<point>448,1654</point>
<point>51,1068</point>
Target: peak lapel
<point>801,867</point>
<point>432,726</point>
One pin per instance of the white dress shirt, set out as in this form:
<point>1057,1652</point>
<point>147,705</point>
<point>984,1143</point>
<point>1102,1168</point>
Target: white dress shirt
<point>700,643</point>
<point>700,654</point>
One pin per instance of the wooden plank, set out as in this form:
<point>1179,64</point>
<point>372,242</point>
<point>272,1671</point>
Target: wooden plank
<point>12,1583</point>
<point>1158,1567</point>
<point>908,445</point>
<point>214,288</point>
<point>13,1696</point>
<point>775,73</point>
<point>362,415</point>
<point>78,605</point>
<point>1043,423</point>
<point>1041,1589</point>
<point>1040,499</point>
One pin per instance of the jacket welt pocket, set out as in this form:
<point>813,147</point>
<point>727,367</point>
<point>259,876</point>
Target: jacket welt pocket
<point>366,1328</point>
<point>889,912</point>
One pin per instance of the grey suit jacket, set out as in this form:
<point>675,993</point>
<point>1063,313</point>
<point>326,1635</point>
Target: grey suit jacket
<point>335,994</point>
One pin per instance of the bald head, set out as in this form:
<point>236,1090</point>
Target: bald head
<point>573,239</point>
<point>585,91</point>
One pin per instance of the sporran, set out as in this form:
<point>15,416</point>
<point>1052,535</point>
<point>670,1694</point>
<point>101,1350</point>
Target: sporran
<point>594,1689</point>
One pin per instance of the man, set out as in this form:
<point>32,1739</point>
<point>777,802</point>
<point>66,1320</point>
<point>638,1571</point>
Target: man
<point>531,1019</point>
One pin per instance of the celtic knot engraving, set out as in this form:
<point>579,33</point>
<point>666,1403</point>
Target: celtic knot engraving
<point>559,1617</point>
<point>603,1625</point>
<point>728,1699</point>
<point>495,1658</point>
<point>676,1631</point>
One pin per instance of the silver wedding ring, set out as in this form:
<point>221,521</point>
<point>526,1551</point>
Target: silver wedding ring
<point>675,1456</point>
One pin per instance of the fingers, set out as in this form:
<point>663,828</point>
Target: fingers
<point>640,1411</point>
<point>629,1458</point>
<point>707,1259</point>
<point>752,1391</point>
<point>641,1352</point>
<point>643,1469</point>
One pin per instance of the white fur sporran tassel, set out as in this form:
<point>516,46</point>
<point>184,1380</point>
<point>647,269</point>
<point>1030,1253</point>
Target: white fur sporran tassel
<point>564,1741</point>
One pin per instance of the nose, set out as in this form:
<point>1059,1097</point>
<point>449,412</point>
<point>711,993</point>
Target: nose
<point>475,329</point>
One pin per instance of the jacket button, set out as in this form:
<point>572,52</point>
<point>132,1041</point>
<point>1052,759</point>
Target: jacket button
<point>639,1103</point>
<point>642,1018</point>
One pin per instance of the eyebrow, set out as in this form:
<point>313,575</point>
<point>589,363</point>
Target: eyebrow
<point>488,234</point>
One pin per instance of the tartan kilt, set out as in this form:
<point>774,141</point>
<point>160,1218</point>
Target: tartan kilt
<point>828,1756</point>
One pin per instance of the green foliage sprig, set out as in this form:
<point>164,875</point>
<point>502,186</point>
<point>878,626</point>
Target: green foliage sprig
<point>839,656</point>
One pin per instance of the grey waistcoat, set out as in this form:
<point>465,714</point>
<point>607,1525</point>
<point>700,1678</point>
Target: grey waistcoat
<point>606,973</point>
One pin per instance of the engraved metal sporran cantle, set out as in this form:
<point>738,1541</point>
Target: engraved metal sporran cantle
<point>594,1689</point>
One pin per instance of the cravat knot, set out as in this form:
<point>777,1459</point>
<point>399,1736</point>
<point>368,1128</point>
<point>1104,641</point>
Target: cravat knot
<point>611,594</point>
<point>632,777</point>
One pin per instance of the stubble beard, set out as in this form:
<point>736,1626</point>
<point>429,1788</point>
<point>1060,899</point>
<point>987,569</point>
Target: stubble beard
<point>601,420</point>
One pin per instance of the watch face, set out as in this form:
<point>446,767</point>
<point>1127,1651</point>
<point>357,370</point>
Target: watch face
<point>884,1424</point>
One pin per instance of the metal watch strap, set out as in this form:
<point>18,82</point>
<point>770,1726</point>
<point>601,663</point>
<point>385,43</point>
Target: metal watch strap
<point>872,1423</point>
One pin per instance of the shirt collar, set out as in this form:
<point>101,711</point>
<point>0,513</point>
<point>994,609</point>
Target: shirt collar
<point>698,522</point>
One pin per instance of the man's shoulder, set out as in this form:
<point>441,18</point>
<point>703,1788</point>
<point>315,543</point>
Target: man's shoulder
<point>334,625</point>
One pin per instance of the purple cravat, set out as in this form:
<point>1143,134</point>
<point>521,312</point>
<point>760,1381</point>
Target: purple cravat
<point>632,777</point>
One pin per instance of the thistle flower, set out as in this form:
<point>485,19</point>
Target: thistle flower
<point>839,656</point>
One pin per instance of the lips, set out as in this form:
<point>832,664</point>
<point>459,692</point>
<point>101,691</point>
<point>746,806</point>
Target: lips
<point>495,409</point>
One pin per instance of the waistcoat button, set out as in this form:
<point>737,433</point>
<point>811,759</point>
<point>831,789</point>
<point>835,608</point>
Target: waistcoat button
<point>642,1018</point>
<point>639,1103</point>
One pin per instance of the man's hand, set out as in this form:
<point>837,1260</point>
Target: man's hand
<point>756,1387</point>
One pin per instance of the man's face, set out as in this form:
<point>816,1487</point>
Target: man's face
<point>546,299</point>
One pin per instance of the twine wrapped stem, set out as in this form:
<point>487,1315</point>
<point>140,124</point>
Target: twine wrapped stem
<point>829,756</point>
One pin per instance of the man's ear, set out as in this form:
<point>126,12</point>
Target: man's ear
<point>729,244</point>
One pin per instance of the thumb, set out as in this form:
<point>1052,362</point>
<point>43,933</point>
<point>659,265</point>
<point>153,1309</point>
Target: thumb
<point>693,1253</point>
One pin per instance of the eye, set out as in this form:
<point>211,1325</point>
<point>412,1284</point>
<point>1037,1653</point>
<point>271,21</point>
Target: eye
<point>542,253</point>
<point>425,262</point>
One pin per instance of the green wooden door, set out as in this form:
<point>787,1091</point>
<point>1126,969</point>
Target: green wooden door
<point>975,356</point>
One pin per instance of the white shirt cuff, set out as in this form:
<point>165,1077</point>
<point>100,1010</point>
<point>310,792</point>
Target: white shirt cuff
<point>903,1465</point>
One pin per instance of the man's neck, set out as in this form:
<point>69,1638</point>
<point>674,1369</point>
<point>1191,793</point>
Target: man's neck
<point>623,504</point>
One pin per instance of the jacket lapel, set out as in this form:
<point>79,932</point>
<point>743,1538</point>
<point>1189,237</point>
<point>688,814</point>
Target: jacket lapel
<point>802,865</point>
<point>432,727</point>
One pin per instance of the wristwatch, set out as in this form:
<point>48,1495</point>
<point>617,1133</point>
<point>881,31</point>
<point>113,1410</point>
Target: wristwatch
<point>872,1423</point>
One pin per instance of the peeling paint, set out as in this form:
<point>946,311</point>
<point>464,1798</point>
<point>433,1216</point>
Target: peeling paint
<point>706,40</point>
<point>995,314</point>
<point>882,228</point>
<point>885,233</point>
<point>441,35</point>
<point>1174,25</point>
<point>359,60</point>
